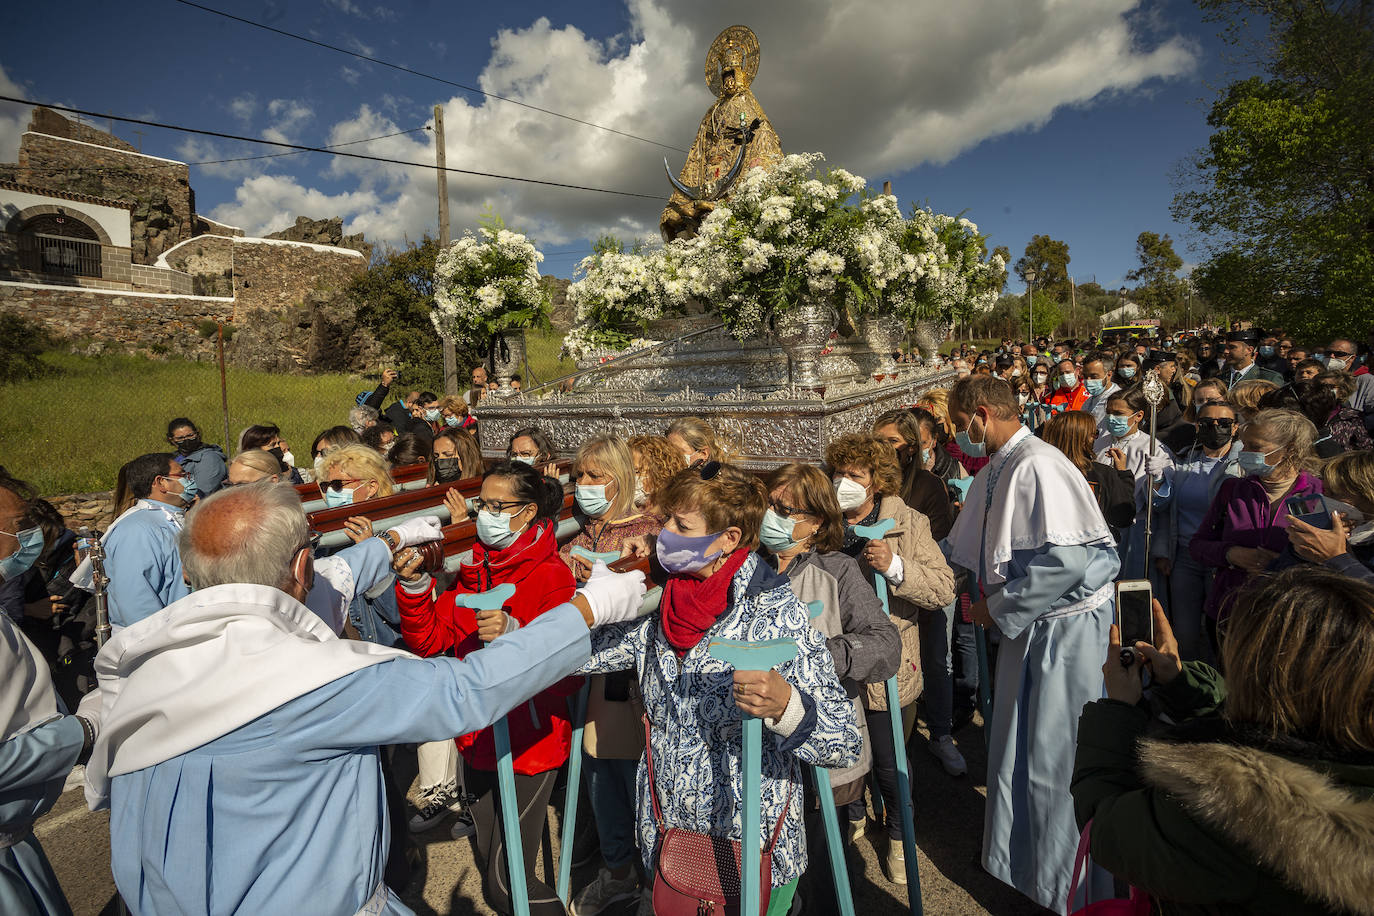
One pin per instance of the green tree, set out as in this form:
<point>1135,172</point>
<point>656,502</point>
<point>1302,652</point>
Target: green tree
<point>1159,288</point>
<point>1047,316</point>
<point>1090,289</point>
<point>395,297</point>
<point>1285,187</point>
<point>1049,258</point>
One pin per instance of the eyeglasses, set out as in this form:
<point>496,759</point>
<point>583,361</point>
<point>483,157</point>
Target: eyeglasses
<point>1216,423</point>
<point>495,505</point>
<point>787,511</point>
<point>337,485</point>
<point>1339,354</point>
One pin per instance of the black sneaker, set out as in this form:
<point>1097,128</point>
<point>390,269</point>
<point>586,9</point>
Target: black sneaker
<point>462,825</point>
<point>435,804</point>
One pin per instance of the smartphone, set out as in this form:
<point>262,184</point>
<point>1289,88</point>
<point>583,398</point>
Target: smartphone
<point>1311,509</point>
<point>1134,616</point>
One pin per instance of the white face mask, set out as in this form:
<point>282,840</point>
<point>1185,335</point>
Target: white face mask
<point>289,459</point>
<point>850,494</point>
<point>640,496</point>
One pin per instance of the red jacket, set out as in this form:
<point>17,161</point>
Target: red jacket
<point>540,733</point>
<point>1074,399</point>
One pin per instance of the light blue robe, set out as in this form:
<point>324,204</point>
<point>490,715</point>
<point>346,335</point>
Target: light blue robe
<point>33,768</point>
<point>142,562</point>
<point>1047,669</point>
<point>287,814</point>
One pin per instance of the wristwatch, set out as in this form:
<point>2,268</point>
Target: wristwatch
<point>390,540</point>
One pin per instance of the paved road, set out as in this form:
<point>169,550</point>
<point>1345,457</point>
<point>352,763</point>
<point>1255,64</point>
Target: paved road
<point>949,822</point>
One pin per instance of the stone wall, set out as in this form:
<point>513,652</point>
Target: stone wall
<point>148,324</point>
<point>159,189</point>
<point>276,275</point>
<point>85,509</point>
<point>323,232</point>
<point>208,259</point>
<point>47,121</point>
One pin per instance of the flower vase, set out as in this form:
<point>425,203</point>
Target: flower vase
<point>883,334</point>
<point>507,355</point>
<point>803,332</point>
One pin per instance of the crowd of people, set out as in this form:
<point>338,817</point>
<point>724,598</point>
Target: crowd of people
<point>246,720</point>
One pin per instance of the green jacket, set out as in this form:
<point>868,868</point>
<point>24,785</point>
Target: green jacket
<point>1211,817</point>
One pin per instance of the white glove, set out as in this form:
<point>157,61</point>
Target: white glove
<point>414,531</point>
<point>613,597</point>
<point>1156,465</point>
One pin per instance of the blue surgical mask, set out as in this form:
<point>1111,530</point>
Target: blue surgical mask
<point>493,530</point>
<point>1126,372</point>
<point>17,563</point>
<point>968,446</point>
<point>1031,360</point>
<point>524,459</point>
<point>452,421</point>
<point>433,415</point>
<point>333,499</point>
<point>591,499</point>
<point>927,456</point>
<point>1119,427</point>
<point>775,533</point>
<point>189,490</point>
<point>1095,386</point>
<point>1256,464</point>
<point>678,553</point>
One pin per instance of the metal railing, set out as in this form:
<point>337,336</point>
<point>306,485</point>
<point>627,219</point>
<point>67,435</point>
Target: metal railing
<point>54,254</point>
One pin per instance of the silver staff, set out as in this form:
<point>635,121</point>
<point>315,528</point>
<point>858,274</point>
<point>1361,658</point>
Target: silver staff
<point>101,582</point>
<point>1154,392</point>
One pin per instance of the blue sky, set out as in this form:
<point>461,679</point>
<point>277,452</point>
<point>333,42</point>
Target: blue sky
<point>1026,115</point>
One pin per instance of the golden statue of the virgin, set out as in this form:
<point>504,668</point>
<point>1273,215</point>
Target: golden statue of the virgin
<point>735,135</point>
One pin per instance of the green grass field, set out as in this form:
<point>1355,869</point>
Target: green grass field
<point>70,432</point>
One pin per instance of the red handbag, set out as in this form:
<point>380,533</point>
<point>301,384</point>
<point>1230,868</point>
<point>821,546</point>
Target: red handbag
<point>697,874</point>
<point>1137,905</point>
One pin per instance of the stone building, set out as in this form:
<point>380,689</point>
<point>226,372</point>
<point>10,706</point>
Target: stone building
<point>101,242</point>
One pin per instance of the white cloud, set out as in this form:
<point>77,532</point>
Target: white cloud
<point>14,119</point>
<point>244,107</point>
<point>349,75</point>
<point>347,6</point>
<point>287,115</point>
<point>879,87</point>
<point>267,203</point>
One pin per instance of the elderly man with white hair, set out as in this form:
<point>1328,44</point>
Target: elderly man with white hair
<point>239,753</point>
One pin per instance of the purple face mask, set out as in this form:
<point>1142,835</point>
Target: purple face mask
<point>678,553</point>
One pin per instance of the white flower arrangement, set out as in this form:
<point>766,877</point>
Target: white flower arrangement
<point>487,283</point>
<point>617,294</point>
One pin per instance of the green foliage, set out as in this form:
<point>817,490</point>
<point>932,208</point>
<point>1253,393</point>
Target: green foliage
<point>1090,289</point>
<point>21,342</point>
<point>1047,316</point>
<point>1285,187</point>
<point>1049,258</point>
<point>1160,289</point>
<point>129,401</point>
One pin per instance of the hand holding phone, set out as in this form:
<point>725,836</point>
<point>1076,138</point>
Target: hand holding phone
<point>1311,509</point>
<point>1134,617</point>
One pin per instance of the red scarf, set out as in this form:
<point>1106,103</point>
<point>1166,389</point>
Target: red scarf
<point>691,606</point>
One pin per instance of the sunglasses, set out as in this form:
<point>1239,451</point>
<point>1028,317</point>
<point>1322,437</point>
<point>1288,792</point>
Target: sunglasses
<point>337,485</point>
<point>1215,423</point>
<point>1339,354</point>
<point>787,511</point>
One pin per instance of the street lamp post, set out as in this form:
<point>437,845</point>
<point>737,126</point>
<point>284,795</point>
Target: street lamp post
<point>1030,293</point>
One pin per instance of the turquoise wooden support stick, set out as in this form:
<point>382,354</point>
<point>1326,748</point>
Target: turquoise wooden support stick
<point>591,556</point>
<point>491,600</point>
<point>830,819</point>
<point>894,711</point>
<point>752,656</point>
<point>565,843</point>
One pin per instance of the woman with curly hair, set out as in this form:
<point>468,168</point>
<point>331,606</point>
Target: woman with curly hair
<point>656,461</point>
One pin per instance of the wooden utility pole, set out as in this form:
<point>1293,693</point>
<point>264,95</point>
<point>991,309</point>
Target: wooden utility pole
<point>450,357</point>
<point>1073,304</point>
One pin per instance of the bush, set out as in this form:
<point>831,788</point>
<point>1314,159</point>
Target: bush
<point>21,343</point>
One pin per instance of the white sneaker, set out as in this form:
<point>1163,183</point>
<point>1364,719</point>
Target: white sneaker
<point>604,891</point>
<point>434,803</point>
<point>949,756</point>
<point>857,829</point>
<point>76,778</point>
<point>895,862</point>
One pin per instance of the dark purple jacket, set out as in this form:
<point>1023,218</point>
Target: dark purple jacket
<point>1241,516</point>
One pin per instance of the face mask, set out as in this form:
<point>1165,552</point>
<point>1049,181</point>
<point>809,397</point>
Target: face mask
<point>447,469</point>
<point>1041,378</point>
<point>432,415</point>
<point>493,530</point>
<point>591,499</point>
<point>1031,360</point>
<point>1068,380</point>
<point>687,459</point>
<point>1022,398</point>
<point>17,563</point>
<point>189,490</point>
<point>1266,351</point>
<point>1094,385</point>
<point>1256,464</point>
<point>188,446</point>
<point>776,532</point>
<point>927,456</point>
<point>1016,373</point>
<point>277,453</point>
<point>288,459</point>
<point>1119,427</point>
<point>678,553</point>
<point>334,499</point>
<point>524,459</point>
<point>850,494</point>
<point>641,497</point>
<point>1125,372</point>
<point>452,421</point>
<point>1335,364</point>
<point>1212,437</point>
<point>968,446</point>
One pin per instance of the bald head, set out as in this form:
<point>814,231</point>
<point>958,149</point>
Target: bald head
<point>249,535</point>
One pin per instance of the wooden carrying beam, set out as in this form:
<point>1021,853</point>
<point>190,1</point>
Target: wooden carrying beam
<point>383,507</point>
<point>309,491</point>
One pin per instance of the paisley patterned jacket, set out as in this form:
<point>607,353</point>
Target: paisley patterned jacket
<point>696,735</point>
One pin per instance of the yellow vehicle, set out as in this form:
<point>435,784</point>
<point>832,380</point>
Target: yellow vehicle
<point>1140,329</point>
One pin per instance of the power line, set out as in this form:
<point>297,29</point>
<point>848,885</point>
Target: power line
<point>428,76</point>
<point>166,165</point>
<point>319,149</point>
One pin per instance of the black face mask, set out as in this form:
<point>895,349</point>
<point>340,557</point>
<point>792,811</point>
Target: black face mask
<point>187,446</point>
<point>277,454</point>
<point>447,470</point>
<point>1213,437</point>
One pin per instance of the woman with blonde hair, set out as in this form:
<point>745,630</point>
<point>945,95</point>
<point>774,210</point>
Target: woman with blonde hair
<point>936,400</point>
<point>867,480</point>
<point>656,461</point>
<point>1246,527</point>
<point>453,414</point>
<point>1246,397</point>
<point>251,466</point>
<point>1208,391</point>
<point>1253,795</point>
<point>697,440</point>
